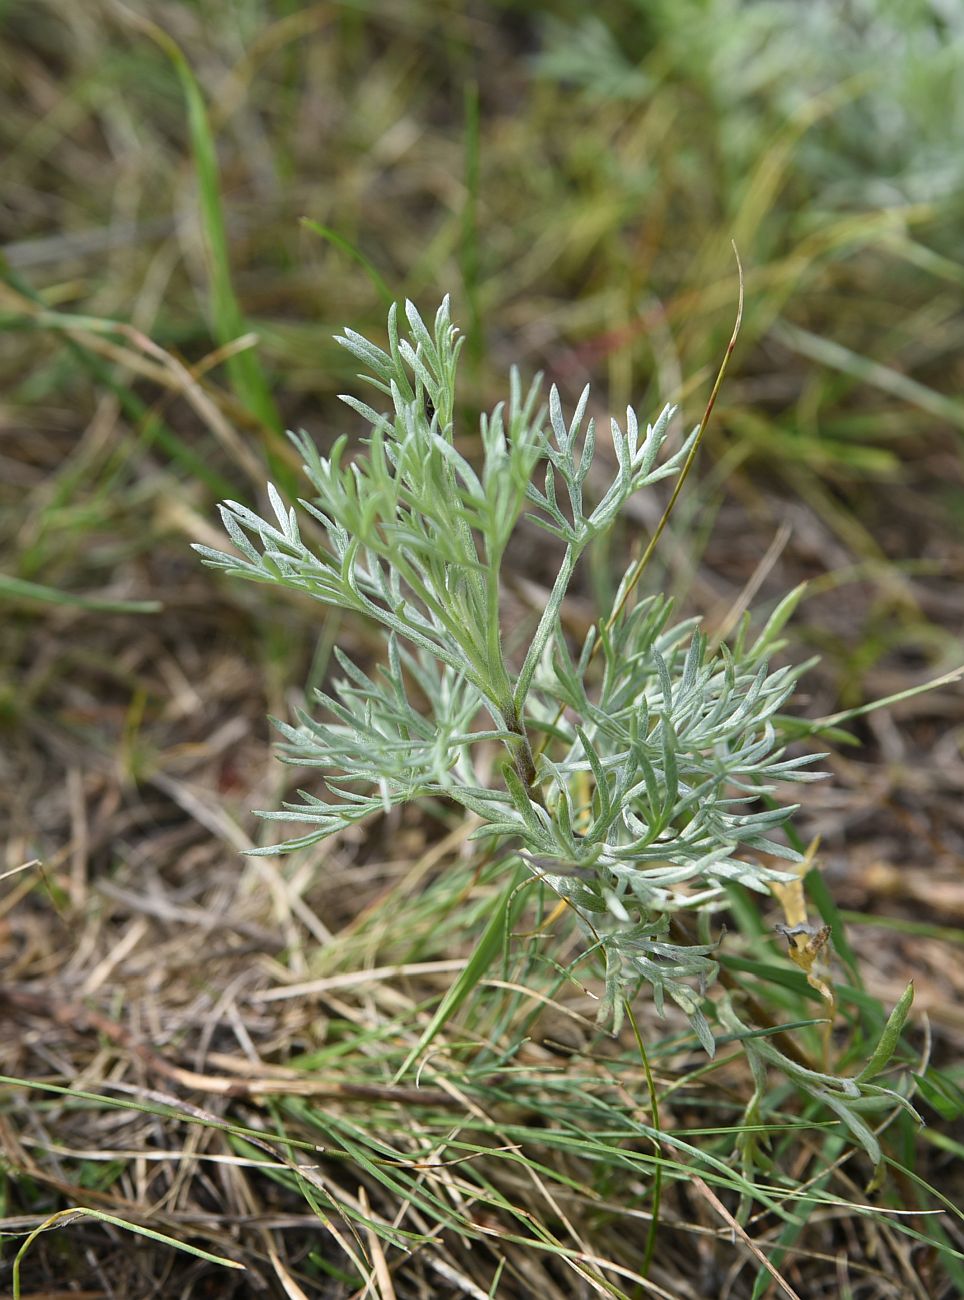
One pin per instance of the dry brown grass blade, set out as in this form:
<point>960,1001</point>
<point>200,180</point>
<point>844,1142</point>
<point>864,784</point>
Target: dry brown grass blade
<point>637,570</point>
<point>73,1015</point>
<point>381,1276</point>
<point>753,584</point>
<point>739,1231</point>
<point>145,357</point>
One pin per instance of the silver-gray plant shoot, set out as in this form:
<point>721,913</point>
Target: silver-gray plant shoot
<point>639,769</point>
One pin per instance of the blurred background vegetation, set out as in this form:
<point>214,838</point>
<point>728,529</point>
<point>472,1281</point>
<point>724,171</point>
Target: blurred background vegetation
<point>196,195</point>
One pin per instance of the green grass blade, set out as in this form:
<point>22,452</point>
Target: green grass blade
<point>789,1235</point>
<point>888,380</point>
<point>247,376</point>
<point>796,982</point>
<point>494,938</point>
<point>945,679</point>
<point>160,1110</point>
<point>941,1092</point>
<point>469,249</point>
<point>85,1212</point>
<point>348,248</point>
<point>904,925</point>
<point>20,589</point>
<point>890,1038</point>
<point>154,429</point>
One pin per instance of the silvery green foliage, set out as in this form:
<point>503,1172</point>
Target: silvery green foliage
<point>633,771</point>
<point>848,1098</point>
